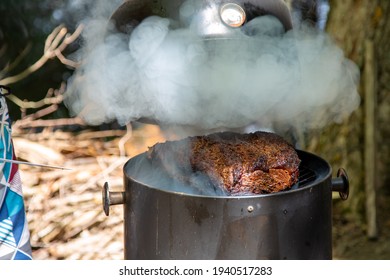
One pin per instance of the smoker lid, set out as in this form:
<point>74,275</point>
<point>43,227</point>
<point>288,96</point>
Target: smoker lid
<point>132,12</point>
<point>209,23</point>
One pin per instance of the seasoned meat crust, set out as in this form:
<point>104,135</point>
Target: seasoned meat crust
<point>237,164</point>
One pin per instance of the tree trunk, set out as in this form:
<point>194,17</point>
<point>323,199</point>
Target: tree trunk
<point>363,150</point>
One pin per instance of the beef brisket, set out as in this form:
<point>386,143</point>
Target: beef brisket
<point>237,164</point>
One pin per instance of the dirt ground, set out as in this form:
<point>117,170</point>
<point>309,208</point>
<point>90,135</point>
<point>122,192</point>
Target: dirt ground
<point>350,241</point>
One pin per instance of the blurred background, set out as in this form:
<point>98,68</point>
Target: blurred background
<point>39,40</point>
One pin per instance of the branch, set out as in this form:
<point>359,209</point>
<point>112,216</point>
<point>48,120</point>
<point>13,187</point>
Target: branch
<point>35,104</point>
<point>48,100</point>
<point>27,123</point>
<point>53,98</point>
<point>124,139</point>
<point>41,113</point>
<point>16,62</point>
<point>66,61</point>
<point>55,43</point>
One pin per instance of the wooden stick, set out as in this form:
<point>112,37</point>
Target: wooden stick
<point>48,123</point>
<point>370,138</point>
<point>33,164</point>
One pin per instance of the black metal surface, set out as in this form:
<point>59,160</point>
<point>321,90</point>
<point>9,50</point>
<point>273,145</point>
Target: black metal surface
<point>111,198</point>
<point>132,12</point>
<point>294,224</point>
<point>306,176</point>
<point>341,184</point>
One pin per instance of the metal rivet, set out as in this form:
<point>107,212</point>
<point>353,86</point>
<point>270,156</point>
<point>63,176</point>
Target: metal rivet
<point>250,208</point>
<point>233,14</point>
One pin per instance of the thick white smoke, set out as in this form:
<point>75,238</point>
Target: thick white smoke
<point>259,75</point>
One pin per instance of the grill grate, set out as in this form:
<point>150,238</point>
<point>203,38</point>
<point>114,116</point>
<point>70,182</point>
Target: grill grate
<point>306,176</point>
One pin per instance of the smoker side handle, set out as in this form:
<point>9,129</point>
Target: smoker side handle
<point>111,198</point>
<point>341,184</point>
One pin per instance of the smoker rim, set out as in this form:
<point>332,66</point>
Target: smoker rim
<point>321,177</point>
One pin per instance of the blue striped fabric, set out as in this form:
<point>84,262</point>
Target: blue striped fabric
<point>14,233</point>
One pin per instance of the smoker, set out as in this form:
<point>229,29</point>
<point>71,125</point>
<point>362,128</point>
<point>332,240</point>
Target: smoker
<point>166,224</point>
<point>293,224</point>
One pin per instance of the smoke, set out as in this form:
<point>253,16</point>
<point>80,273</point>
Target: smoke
<point>260,75</point>
<point>141,169</point>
